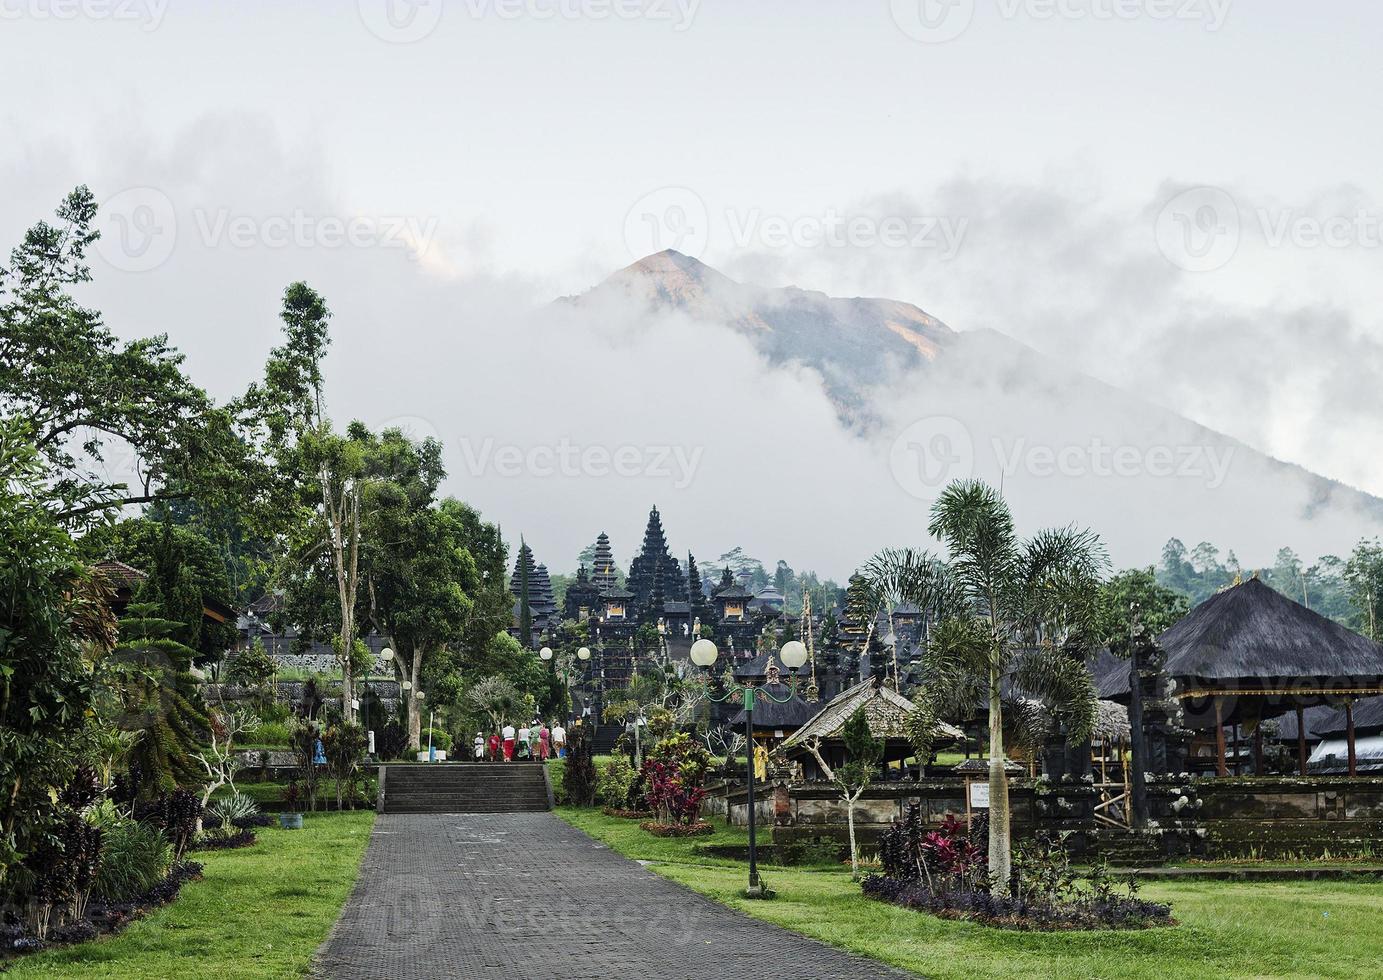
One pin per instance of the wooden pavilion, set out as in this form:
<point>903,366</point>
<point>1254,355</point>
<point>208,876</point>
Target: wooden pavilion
<point>887,712</point>
<point>1248,654</point>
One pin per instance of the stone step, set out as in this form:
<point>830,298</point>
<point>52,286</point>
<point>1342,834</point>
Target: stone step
<point>464,788</point>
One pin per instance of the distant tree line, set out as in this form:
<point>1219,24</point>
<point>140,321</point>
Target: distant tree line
<point>1348,590</point>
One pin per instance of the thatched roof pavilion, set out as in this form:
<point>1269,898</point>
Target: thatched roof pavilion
<point>887,712</point>
<point>1250,653</point>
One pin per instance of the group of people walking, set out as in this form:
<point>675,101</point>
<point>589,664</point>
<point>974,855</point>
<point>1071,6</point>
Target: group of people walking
<point>538,742</point>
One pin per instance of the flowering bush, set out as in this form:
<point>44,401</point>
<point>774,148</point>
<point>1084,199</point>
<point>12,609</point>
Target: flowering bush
<point>945,859</point>
<point>944,872</point>
<point>670,793</point>
<point>673,778</point>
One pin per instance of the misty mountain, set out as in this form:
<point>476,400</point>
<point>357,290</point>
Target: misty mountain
<point>944,403</point>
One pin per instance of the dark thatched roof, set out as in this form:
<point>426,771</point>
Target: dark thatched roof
<point>1252,632</point>
<point>1314,716</point>
<point>1252,636</point>
<point>770,715</point>
<point>1368,720</point>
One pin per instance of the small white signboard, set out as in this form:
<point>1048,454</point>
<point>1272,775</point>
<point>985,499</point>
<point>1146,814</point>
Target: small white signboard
<point>979,794</point>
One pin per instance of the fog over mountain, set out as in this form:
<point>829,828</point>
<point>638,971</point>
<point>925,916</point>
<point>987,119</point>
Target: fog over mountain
<point>930,404</point>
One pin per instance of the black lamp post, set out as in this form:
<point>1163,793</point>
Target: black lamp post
<point>792,655</point>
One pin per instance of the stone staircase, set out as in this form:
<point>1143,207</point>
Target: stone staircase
<point>1129,849</point>
<point>463,787</point>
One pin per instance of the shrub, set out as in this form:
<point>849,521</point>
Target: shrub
<point>392,741</point>
<point>176,814</point>
<point>614,783</point>
<point>231,810</point>
<point>673,776</point>
<point>943,872</point>
<point>224,841</point>
<point>134,857</point>
<point>441,741</point>
<point>270,733</point>
<point>344,747</point>
<point>274,711</point>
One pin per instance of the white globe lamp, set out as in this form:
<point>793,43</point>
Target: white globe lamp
<point>704,653</point>
<point>793,654</point>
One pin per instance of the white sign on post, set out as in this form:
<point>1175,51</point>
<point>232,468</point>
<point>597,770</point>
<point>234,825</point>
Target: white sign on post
<point>979,795</point>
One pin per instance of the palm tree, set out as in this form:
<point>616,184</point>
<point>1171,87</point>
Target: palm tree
<point>1013,617</point>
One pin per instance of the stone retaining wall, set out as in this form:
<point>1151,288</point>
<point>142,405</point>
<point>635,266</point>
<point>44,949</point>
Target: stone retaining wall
<point>1188,817</point>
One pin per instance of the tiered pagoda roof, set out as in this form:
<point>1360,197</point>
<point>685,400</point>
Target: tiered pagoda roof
<point>655,577</point>
<point>603,572</point>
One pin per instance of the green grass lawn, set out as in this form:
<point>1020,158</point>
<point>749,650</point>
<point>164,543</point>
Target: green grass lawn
<point>258,912</point>
<point>1291,929</point>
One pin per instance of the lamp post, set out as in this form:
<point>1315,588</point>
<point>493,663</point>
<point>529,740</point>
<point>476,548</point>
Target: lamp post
<point>387,655</point>
<point>793,655</point>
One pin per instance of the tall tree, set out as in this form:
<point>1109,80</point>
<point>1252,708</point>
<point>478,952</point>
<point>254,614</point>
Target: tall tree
<point>696,593</point>
<point>1015,612</point>
<point>418,570</point>
<point>1363,578</point>
<point>316,502</point>
<point>79,391</point>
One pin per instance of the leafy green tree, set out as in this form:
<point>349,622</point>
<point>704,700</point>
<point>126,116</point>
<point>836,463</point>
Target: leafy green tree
<point>79,390</point>
<point>50,608</point>
<point>1013,612</point>
<point>1134,610</point>
<point>1363,581</point>
<point>496,699</point>
<point>418,570</point>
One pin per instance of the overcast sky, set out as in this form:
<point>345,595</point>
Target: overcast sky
<point>1179,197</point>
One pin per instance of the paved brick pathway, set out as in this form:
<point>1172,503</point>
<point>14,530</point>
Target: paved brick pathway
<point>525,896</point>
